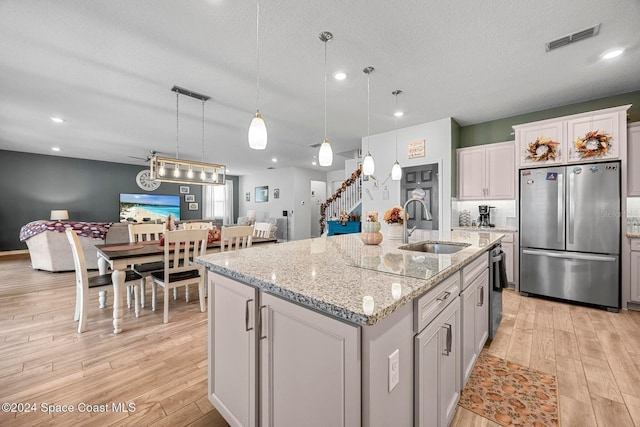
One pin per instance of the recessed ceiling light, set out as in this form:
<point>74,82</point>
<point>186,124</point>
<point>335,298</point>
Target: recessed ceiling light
<point>612,54</point>
<point>55,148</point>
<point>314,163</point>
<point>57,119</point>
<point>340,75</point>
<point>399,113</point>
<point>274,160</point>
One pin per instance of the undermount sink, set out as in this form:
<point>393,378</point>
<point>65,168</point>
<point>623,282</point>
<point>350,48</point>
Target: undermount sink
<point>435,247</point>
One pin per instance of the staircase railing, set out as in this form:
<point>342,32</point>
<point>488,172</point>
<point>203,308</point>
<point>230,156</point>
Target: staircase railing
<point>346,198</point>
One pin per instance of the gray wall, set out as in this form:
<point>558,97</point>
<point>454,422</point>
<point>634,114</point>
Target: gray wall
<point>500,130</point>
<point>31,185</point>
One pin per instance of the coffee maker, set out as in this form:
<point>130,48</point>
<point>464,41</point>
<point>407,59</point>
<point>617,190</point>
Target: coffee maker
<point>485,216</point>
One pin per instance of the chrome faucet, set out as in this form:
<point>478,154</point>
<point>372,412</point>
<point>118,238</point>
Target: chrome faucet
<point>406,233</point>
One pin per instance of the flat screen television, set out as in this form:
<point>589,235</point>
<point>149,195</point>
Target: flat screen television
<point>148,207</point>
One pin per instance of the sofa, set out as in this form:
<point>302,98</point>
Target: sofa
<point>50,250</point>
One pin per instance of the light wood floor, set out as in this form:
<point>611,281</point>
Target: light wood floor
<point>162,368</point>
<point>594,354</point>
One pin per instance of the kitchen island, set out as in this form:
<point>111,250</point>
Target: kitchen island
<point>329,331</point>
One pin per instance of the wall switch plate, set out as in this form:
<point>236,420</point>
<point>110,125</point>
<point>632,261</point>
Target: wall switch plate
<point>394,369</point>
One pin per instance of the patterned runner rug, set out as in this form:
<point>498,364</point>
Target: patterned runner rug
<point>510,394</point>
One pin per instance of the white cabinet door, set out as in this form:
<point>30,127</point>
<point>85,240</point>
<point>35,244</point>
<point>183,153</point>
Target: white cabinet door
<point>635,276</point>
<point>633,160</point>
<point>437,361</point>
<point>450,363</point>
<point>471,174</point>
<point>427,375</point>
<point>232,350</point>
<point>310,367</point>
<point>540,144</point>
<point>508,249</point>
<point>604,124</point>
<point>481,311</point>
<point>500,171</point>
<point>468,354</point>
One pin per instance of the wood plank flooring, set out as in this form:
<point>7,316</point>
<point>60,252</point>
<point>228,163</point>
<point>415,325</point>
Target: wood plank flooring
<point>162,368</point>
<point>594,354</point>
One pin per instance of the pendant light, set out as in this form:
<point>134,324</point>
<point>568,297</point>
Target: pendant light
<point>396,170</point>
<point>257,128</point>
<point>368,166</point>
<point>325,155</point>
<point>177,170</point>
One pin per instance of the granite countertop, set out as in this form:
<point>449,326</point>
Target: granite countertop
<point>334,274</point>
<point>496,229</point>
<point>633,235</point>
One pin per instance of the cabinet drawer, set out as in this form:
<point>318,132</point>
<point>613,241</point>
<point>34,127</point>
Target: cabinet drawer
<point>428,306</point>
<point>474,269</point>
<point>635,244</point>
<point>508,238</point>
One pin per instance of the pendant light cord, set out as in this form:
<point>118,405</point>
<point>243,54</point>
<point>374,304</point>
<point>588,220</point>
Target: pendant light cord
<point>203,131</point>
<point>257,55</point>
<point>177,127</point>
<point>325,89</point>
<point>396,94</point>
<point>368,111</point>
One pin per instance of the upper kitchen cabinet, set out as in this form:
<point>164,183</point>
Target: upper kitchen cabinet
<point>540,144</point>
<point>487,172</point>
<point>633,159</point>
<point>595,137</point>
<point>580,138</point>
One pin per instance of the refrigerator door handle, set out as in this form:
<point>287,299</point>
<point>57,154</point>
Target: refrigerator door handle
<point>571,255</point>
<point>572,207</point>
<point>560,223</point>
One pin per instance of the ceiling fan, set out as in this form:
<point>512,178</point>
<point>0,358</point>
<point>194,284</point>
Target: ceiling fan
<point>149,156</point>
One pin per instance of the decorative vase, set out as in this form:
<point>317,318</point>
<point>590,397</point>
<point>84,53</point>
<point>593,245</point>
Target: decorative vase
<point>371,238</point>
<point>394,231</point>
<point>370,227</point>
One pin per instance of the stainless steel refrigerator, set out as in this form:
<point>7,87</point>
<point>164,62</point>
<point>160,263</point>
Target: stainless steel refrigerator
<point>570,233</point>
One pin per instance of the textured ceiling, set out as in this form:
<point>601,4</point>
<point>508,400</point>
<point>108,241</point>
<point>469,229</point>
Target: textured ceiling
<point>107,66</point>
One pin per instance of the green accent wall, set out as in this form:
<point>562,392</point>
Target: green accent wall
<point>455,144</point>
<point>500,130</point>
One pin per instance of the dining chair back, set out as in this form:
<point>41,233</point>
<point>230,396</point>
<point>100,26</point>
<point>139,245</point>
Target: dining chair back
<point>238,237</point>
<point>145,232</point>
<point>180,248</point>
<point>198,225</point>
<point>262,229</point>
<point>84,282</point>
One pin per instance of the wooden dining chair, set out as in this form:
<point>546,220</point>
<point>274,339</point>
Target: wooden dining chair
<point>144,233</point>
<point>180,248</point>
<point>262,229</point>
<point>84,283</point>
<point>238,237</point>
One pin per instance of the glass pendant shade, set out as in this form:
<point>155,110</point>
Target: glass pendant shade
<point>325,156</point>
<point>258,133</point>
<point>396,172</point>
<point>368,166</point>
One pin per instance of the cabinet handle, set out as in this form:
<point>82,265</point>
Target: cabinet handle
<point>246,316</point>
<point>444,296</point>
<point>481,303</point>
<point>447,348</point>
<point>260,322</point>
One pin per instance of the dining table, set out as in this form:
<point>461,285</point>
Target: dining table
<point>120,256</point>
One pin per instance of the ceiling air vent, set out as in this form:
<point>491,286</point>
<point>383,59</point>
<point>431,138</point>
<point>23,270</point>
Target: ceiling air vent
<point>270,167</point>
<point>572,38</point>
<point>315,145</point>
